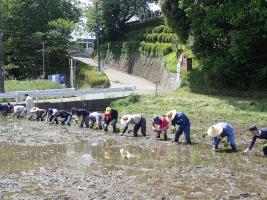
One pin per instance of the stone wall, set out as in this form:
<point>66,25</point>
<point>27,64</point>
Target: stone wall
<point>152,69</point>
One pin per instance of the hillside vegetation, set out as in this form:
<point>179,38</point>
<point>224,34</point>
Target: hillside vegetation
<point>152,39</point>
<point>228,38</point>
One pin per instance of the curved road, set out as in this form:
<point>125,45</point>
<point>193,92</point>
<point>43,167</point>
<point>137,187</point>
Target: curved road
<point>121,79</point>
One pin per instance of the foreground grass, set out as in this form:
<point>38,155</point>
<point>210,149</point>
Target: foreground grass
<point>14,85</point>
<point>90,77</point>
<point>203,110</point>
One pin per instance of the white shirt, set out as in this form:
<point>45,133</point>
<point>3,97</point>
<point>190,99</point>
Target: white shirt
<point>135,119</point>
<point>95,115</point>
<point>29,102</point>
<point>19,109</point>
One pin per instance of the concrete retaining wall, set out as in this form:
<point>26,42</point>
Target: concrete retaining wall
<point>152,69</point>
<point>91,105</point>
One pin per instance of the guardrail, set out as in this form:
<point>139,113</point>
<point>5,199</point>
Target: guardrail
<point>62,93</point>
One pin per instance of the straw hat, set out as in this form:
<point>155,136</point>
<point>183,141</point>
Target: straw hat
<point>108,110</point>
<point>215,130</point>
<point>34,109</point>
<point>125,119</point>
<point>170,115</point>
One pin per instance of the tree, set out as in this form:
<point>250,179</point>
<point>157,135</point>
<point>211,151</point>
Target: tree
<point>114,14</point>
<point>27,23</point>
<point>176,18</point>
<point>228,37</point>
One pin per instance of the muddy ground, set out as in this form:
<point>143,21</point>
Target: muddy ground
<point>42,161</point>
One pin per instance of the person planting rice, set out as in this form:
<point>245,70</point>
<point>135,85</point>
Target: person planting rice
<point>5,108</point>
<point>40,113</point>
<point>137,120</point>
<point>19,111</point>
<point>258,133</point>
<point>50,114</point>
<point>110,117</point>
<point>219,131</point>
<point>83,115</point>
<point>64,115</point>
<point>160,125</point>
<point>180,119</point>
<point>95,120</point>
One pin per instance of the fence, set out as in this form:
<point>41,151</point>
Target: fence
<point>67,92</point>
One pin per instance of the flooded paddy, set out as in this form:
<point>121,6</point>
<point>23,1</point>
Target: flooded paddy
<point>39,161</point>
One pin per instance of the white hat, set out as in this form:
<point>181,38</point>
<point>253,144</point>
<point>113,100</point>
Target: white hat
<point>34,109</point>
<point>170,115</point>
<point>215,130</point>
<point>125,119</point>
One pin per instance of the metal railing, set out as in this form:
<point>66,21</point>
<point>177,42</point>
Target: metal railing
<point>65,93</point>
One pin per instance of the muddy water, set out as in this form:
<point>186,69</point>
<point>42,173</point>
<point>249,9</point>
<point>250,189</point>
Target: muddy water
<point>105,166</point>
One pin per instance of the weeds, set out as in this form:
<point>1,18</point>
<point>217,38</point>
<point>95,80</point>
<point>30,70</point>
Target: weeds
<point>89,77</point>
<point>202,110</point>
<point>14,85</point>
<point>131,99</point>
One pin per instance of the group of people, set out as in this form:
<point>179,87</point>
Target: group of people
<point>160,123</point>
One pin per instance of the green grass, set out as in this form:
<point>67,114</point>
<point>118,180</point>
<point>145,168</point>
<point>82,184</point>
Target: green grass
<point>14,85</point>
<point>90,77</point>
<point>170,62</point>
<point>203,110</point>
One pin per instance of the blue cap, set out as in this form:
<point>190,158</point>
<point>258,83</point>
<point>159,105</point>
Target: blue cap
<point>156,119</point>
<point>252,128</point>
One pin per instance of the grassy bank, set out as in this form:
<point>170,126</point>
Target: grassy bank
<point>13,85</point>
<point>203,110</point>
<point>90,77</point>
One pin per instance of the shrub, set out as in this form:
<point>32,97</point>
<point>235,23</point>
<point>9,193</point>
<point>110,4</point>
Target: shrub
<point>131,99</point>
<point>90,77</point>
<point>155,49</point>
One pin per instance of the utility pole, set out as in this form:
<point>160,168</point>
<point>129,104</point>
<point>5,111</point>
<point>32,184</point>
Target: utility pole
<point>2,75</point>
<point>72,63</point>
<point>97,36</point>
<point>43,76</point>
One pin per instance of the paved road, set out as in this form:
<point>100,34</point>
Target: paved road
<point>121,79</point>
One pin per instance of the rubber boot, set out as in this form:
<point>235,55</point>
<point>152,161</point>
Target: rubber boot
<point>265,151</point>
<point>135,134</point>
<point>105,127</point>
<point>233,148</point>
<point>188,142</point>
<point>165,137</point>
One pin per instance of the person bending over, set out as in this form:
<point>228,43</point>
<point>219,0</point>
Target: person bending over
<point>258,133</point>
<point>83,115</point>
<point>160,125</point>
<point>137,120</point>
<point>110,117</point>
<point>219,131</point>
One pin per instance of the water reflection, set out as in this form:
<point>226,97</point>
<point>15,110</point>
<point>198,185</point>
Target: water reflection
<point>110,154</point>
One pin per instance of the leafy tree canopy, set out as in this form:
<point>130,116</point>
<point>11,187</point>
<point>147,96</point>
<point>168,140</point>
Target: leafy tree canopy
<point>113,15</point>
<point>228,36</point>
<point>28,23</point>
